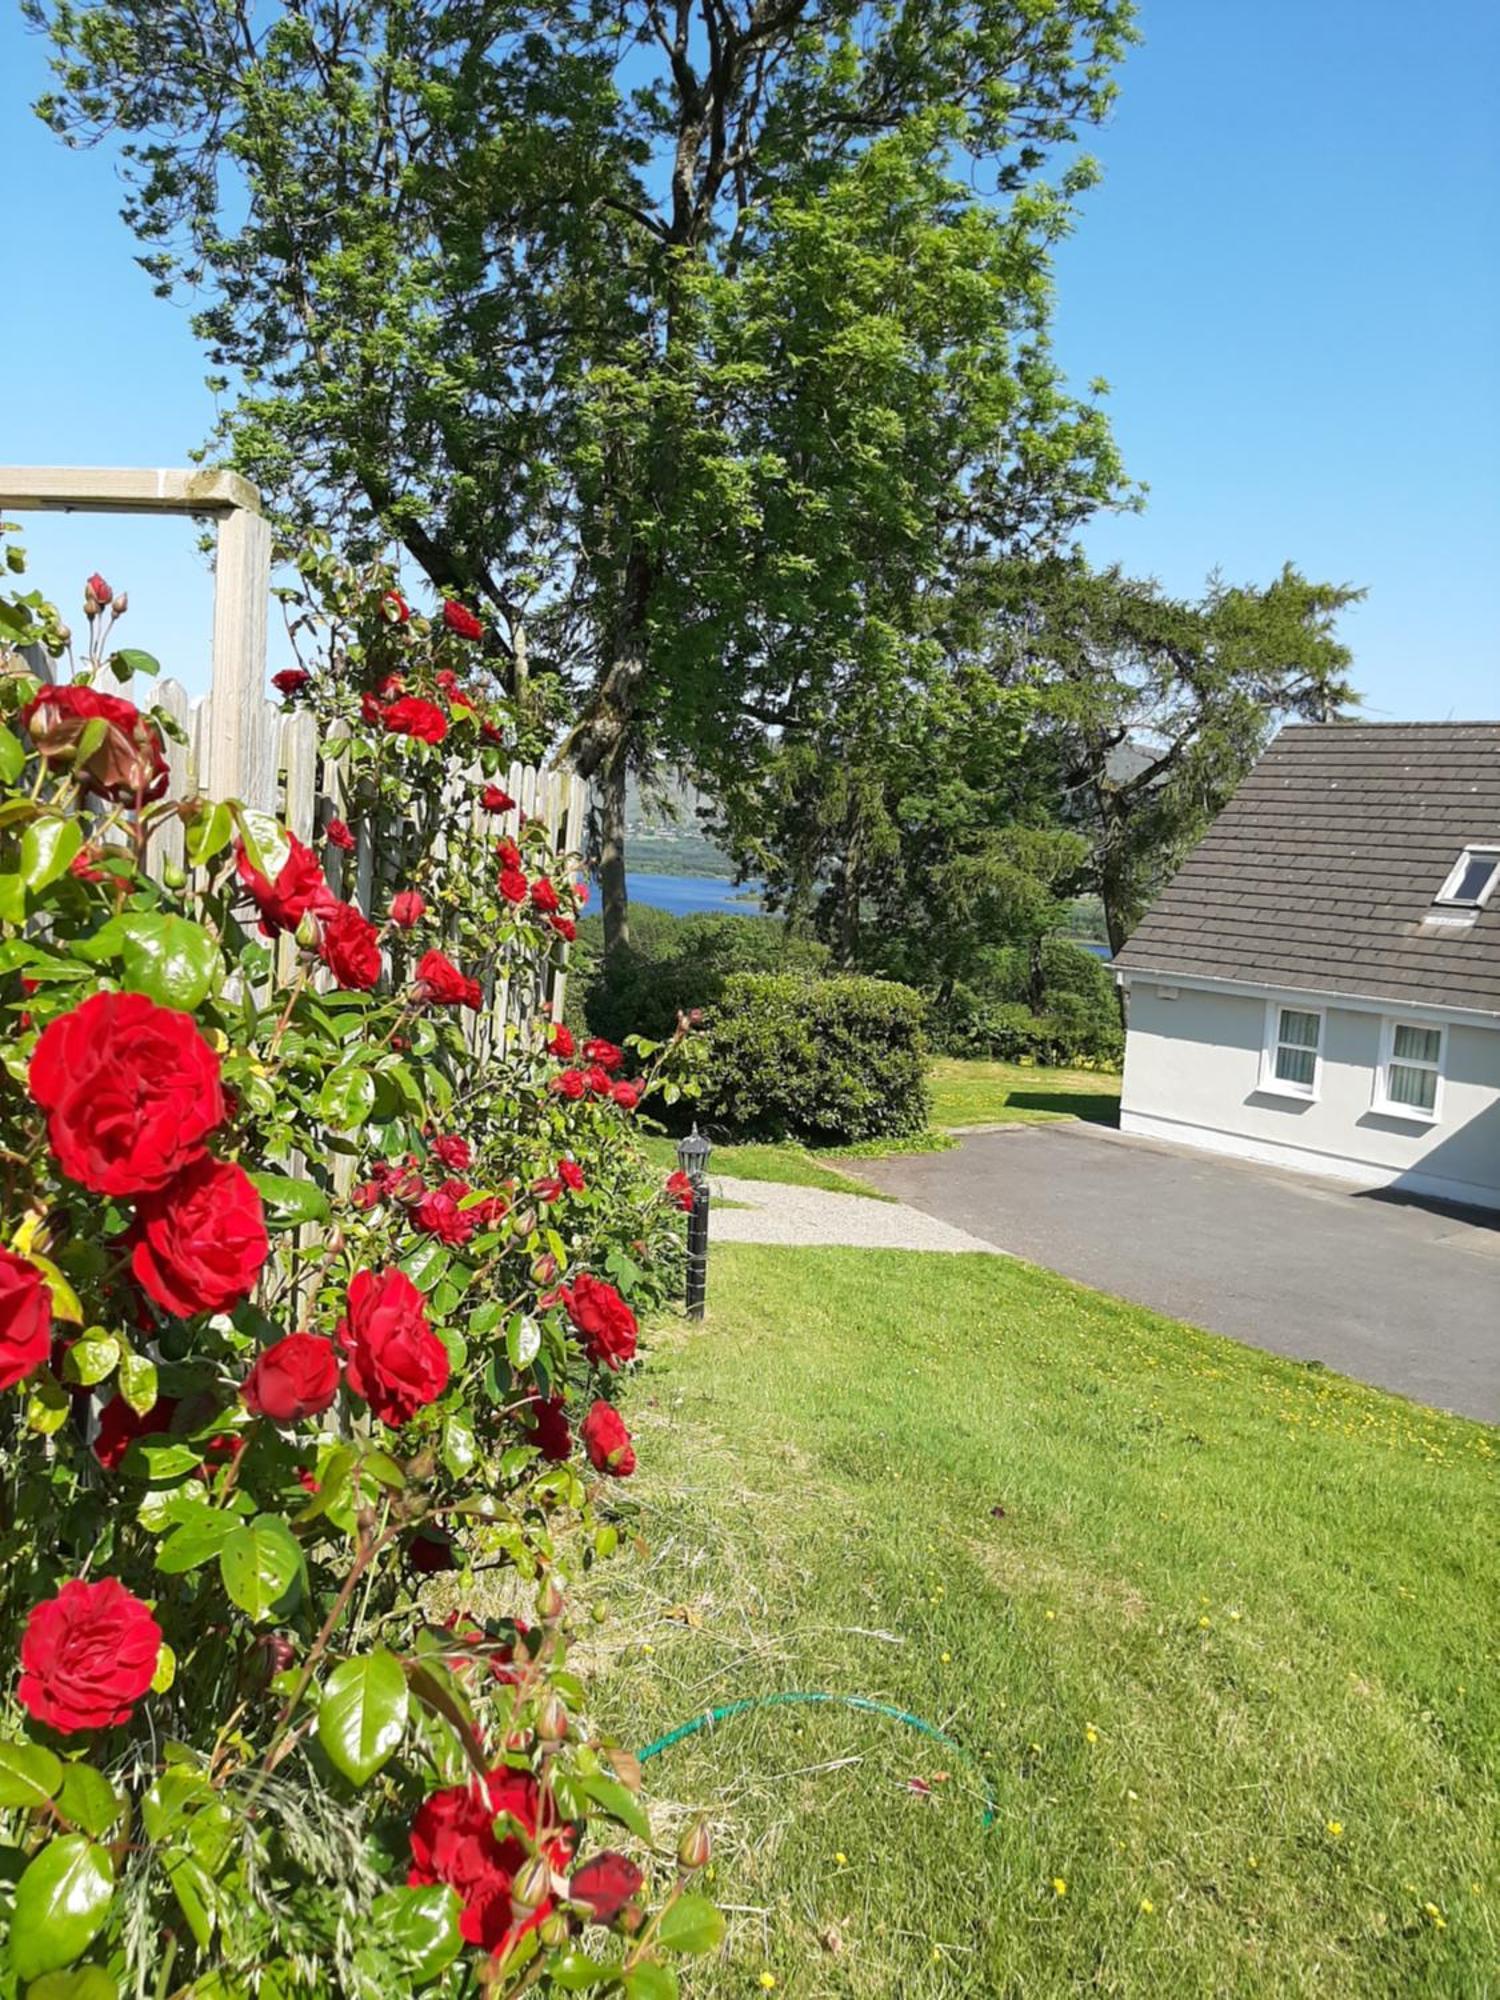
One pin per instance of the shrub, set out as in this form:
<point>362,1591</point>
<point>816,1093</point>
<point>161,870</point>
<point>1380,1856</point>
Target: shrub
<point>674,964</point>
<point>830,1061</point>
<point>1079,1022</point>
<point>302,1300</point>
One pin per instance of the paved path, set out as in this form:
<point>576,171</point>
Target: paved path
<point>772,1213</point>
<point>1395,1294</point>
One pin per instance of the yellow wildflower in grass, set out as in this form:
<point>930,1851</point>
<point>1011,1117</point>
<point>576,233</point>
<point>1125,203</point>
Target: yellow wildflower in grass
<point>1147,1906</point>
<point>841,1860</point>
<point>1439,1921</point>
<point>1334,1829</point>
<point>1091,1734</point>
<point>1059,1886</point>
<point>945,1658</point>
<point>768,1980</point>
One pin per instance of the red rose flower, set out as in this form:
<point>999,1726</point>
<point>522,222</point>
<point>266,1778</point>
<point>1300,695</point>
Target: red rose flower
<point>439,1215</point>
<point>453,1840</point>
<point>596,1080</point>
<point>560,1043</point>
<point>565,927</point>
<point>507,853</point>
<point>293,1378</point>
<point>350,947</point>
<point>120,1426</point>
<point>412,716</point>
<point>395,607</point>
<point>391,686</point>
<point>396,1361</point>
<point>568,1083</point>
<point>607,1324</point>
<point>291,680</point>
<point>460,619</point>
<point>607,1442</point>
<point>298,887</point>
<point>407,908</point>
<point>604,1053</point>
<point>447,680</point>
<point>131,1091</point>
<point>544,896</point>
<point>581,894</point>
<point>430,1551</point>
<point>626,1095</point>
<point>492,732</point>
<point>200,1242</point>
<point>548,1188</point>
<point>340,836</point>
<point>549,1430</point>
<point>25,1319</point>
<point>496,800</point>
<point>87,1656</point>
<point>369,707</point>
<point>98,589</point>
<point>129,764</point>
<point>605,1885</point>
<point>82,867</point>
<point>452,1151</point>
<point>571,1175</point>
<point>441,980</point>
<point>513,885</point>
<point>680,1188</point>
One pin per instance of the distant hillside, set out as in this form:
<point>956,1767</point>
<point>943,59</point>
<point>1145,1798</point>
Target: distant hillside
<point>663,834</point>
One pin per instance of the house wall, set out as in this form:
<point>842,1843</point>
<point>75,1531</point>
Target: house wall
<point>1193,1074</point>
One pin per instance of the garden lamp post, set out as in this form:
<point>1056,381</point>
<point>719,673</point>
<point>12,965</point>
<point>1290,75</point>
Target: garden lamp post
<point>692,1156</point>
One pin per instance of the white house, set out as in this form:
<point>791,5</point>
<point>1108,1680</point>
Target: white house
<point>1319,985</point>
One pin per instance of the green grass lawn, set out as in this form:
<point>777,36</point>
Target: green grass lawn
<point>793,1166</point>
<point>996,1093</point>
<point>1221,1631</point>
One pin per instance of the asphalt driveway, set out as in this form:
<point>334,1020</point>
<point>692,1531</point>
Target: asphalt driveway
<point>1402,1296</point>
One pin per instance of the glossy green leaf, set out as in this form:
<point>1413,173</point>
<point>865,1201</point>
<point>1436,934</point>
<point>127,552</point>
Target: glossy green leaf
<point>89,1800</point>
<point>61,1903</point>
<point>363,1714</point>
<point>47,846</point>
<point>261,1564</point>
<point>650,1981</point>
<point>12,756</point>
<point>420,1926</point>
<point>266,841</point>
<point>523,1342</point>
<point>29,1775</point>
<point>576,1972</point>
<point>90,1359</point>
<point>131,660</point>
<point>289,1203</point>
<point>347,1098</point>
<point>426,1264</point>
<point>47,1405</point>
<point>138,1382</point>
<point>460,1446</point>
<point>171,961</point>
<point>613,1798</point>
<point>209,834</point>
<point>691,1925</point>
<point>84,1982</point>
<point>197,1541</point>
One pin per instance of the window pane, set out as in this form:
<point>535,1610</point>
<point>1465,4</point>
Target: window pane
<point>1417,1044</point>
<point>1417,1087</point>
<point>1296,1065</point>
<point>1301,1030</point>
<point>1479,872</point>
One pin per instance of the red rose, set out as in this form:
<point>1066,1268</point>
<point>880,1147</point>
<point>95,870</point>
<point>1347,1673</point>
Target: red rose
<point>492,732</point>
<point>299,885</point>
<point>460,619</point>
<point>350,947</point>
<point>548,1188</point>
<point>129,764</point>
<point>98,589</point>
<point>369,707</point>
<point>120,1426</point>
<point>412,716</point>
<point>596,1080</point>
<point>391,686</point>
<point>87,1656</point>
<point>453,1152</point>
<point>25,1319</point>
<point>568,1083</point>
<point>560,1043</point>
<point>565,927</point>
<point>513,885</point>
<point>407,908</point>
<point>496,800</point>
<point>439,1215</point>
<point>200,1242</point>
<point>443,982</point>
<point>453,1840</point>
<point>680,1188</point>
<point>293,1378</point>
<point>340,836</point>
<point>571,1175</point>
<point>605,1885</point>
<point>607,1324</point>
<point>581,894</point>
<point>544,896</point>
<point>607,1442</point>
<point>396,1361</point>
<point>604,1053</point>
<point>549,1430</point>
<point>82,868</point>
<point>395,607</point>
<point>626,1095</point>
<point>507,853</point>
<point>291,680</point>
<point>131,1090</point>
<point>430,1551</point>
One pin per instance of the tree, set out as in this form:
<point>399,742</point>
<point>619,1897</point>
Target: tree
<point>697,339</point>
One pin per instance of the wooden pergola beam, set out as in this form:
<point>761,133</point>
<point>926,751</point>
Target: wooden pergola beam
<point>94,489</point>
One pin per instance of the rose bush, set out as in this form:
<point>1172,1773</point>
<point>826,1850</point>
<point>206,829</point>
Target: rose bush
<point>312,1284</point>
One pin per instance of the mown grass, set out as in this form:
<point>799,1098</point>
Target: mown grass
<point>1220,1630</point>
<point>996,1093</point>
<point>792,1166</point>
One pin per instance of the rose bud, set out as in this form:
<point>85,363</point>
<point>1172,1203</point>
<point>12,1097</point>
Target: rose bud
<point>552,1720</point>
<point>553,1930</point>
<point>544,1270</point>
<point>549,1601</point>
<point>695,1849</point>
<point>531,1887</point>
<point>309,935</point>
<point>274,1654</point>
<point>119,604</point>
<point>407,907</point>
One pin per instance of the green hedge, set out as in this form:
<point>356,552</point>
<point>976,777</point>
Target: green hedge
<point>677,963</point>
<point>1079,1021</point>
<point>829,1061</point>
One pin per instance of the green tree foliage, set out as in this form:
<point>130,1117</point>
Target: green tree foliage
<point>702,340</point>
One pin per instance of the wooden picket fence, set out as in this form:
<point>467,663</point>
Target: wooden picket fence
<point>237,744</point>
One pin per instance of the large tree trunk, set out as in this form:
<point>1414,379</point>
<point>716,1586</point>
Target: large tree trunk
<point>614,897</point>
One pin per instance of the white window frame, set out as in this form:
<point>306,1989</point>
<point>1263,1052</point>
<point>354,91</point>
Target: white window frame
<point>1272,1085</point>
<point>1382,1100</point>
<point>1476,850</point>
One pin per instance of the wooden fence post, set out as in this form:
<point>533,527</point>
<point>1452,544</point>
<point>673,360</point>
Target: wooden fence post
<point>240,762</point>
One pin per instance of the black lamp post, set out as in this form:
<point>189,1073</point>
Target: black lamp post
<point>692,1156</point>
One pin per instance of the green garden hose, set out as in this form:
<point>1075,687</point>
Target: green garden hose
<point>858,1701</point>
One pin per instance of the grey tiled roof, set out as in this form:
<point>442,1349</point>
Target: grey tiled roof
<point>1320,872</point>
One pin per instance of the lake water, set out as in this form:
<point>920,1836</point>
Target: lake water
<point>687,895</point>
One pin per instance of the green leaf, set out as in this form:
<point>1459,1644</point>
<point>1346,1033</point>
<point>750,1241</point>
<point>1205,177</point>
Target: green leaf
<point>61,1903</point>
<point>523,1342</point>
<point>363,1714</point>
<point>12,756</point>
<point>197,1541</point>
<point>131,660</point>
<point>289,1203</point>
<point>421,1927</point>
<point>261,1563</point>
<point>209,834</point>
<point>171,961</point>
<point>90,1359</point>
<point>85,1982</point>
<point>29,1775</point>
<point>426,1264</point>
<point>575,1972</point>
<point>12,899</point>
<point>649,1981</point>
<point>47,1405</point>
<point>692,1925</point>
<point>138,1382</point>
<point>89,1800</point>
<point>613,1798</point>
<point>47,846</point>
<point>266,840</point>
<point>347,1098</point>
<point>460,1446</point>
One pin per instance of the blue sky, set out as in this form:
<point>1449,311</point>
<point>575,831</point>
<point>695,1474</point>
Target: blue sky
<point>1290,277</point>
